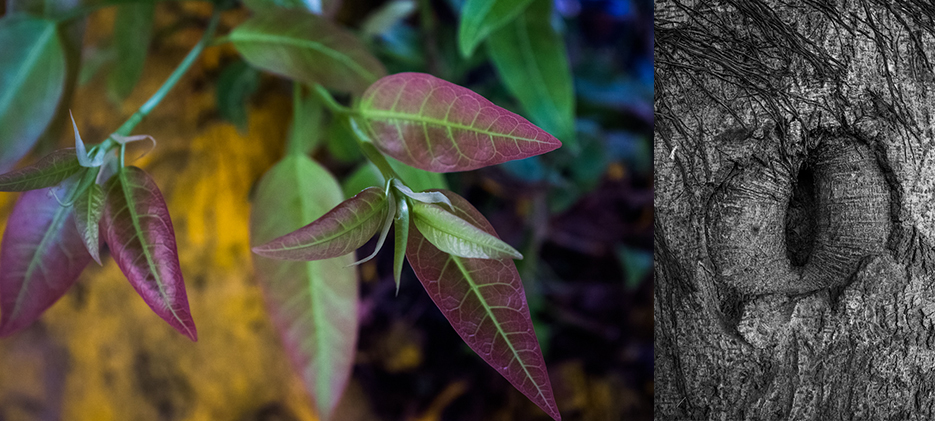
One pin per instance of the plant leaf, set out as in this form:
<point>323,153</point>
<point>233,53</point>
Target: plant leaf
<point>386,16</point>
<point>483,299</point>
<point>340,231</point>
<point>456,236</point>
<point>41,256</point>
<point>133,29</point>
<point>138,230</point>
<point>89,207</point>
<point>47,172</point>
<point>32,78</point>
<point>529,54</point>
<point>479,18</point>
<point>307,48</point>
<point>438,126</point>
<point>401,229</point>
<point>313,304</point>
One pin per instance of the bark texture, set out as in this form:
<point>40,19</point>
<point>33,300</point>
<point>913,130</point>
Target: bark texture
<point>795,203</point>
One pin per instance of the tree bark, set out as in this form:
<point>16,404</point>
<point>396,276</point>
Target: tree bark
<point>795,207</point>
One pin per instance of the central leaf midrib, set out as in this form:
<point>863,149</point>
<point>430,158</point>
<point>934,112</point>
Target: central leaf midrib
<point>373,114</point>
<point>138,230</point>
<point>41,175</point>
<point>303,43</point>
<point>493,318</point>
<point>360,222</point>
<point>440,227</point>
<point>38,48</point>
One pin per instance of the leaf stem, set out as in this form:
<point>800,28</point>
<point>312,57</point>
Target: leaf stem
<point>330,102</point>
<point>173,79</point>
<point>293,145</point>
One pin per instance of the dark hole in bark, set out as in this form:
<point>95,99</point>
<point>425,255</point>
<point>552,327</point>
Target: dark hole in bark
<point>801,218</point>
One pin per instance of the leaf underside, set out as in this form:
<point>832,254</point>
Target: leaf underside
<point>529,54</point>
<point>340,231</point>
<point>458,237</point>
<point>138,230</point>
<point>32,78</point>
<point>88,210</point>
<point>313,304</point>
<point>41,256</point>
<point>47,172</point>
<point>484,301</point>
<point>435,125</point>
<point>307,48</point>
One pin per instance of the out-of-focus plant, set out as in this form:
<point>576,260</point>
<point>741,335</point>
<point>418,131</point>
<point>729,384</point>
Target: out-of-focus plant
<point>409,126</point>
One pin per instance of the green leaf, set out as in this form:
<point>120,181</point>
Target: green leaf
<point>387,16</point>
<point>479,18</point>
<point>313,304</point>
<point>89,207</point>
<point>133,28</point>
<point>456,236</point>
<point>236,84</point>
<point>529,54</point>
<point>307,48</point>
<point>47,172</point>
<point>340,231</point>
<point>401,228</point>
<point>435,125</point>
<point>32,77</point>
<point>307,116</point>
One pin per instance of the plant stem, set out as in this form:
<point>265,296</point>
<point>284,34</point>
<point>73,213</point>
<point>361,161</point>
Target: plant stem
<point>329,101</point>
<point>167,86</point>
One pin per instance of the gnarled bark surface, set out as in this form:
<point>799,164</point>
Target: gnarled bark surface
<point>795,207</point>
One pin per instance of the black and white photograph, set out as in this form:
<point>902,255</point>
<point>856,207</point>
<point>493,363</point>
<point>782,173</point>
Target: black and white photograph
<point>794,210</point>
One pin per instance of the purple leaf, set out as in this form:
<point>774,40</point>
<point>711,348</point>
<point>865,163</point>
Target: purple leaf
<point>438,126</point>
<point>483,299</point>
<point>313,304</point>
<point>340,231</point>
<point>137,228</point>
<point>41,256</point>
<point>47,172</point>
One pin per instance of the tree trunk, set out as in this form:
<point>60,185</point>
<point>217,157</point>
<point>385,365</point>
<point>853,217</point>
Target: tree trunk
<point>795,207</point>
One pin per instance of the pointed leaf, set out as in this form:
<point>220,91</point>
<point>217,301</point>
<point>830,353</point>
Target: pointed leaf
<point>433,197</point>
<point>529,54</point>
<point>47,172</point>
<point>479,18</point>
<point>89,207</point>
<point>483,299</point>
<point>41,256</point>
<point>139,233</point>
<point>32,77</point>
<point>401,228</point>
<point>340,231</point>
<point>133,29</point>
<point>307,48</point>
<point>456,236</point>
<point>438,126</point>
<point>313,304</point>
